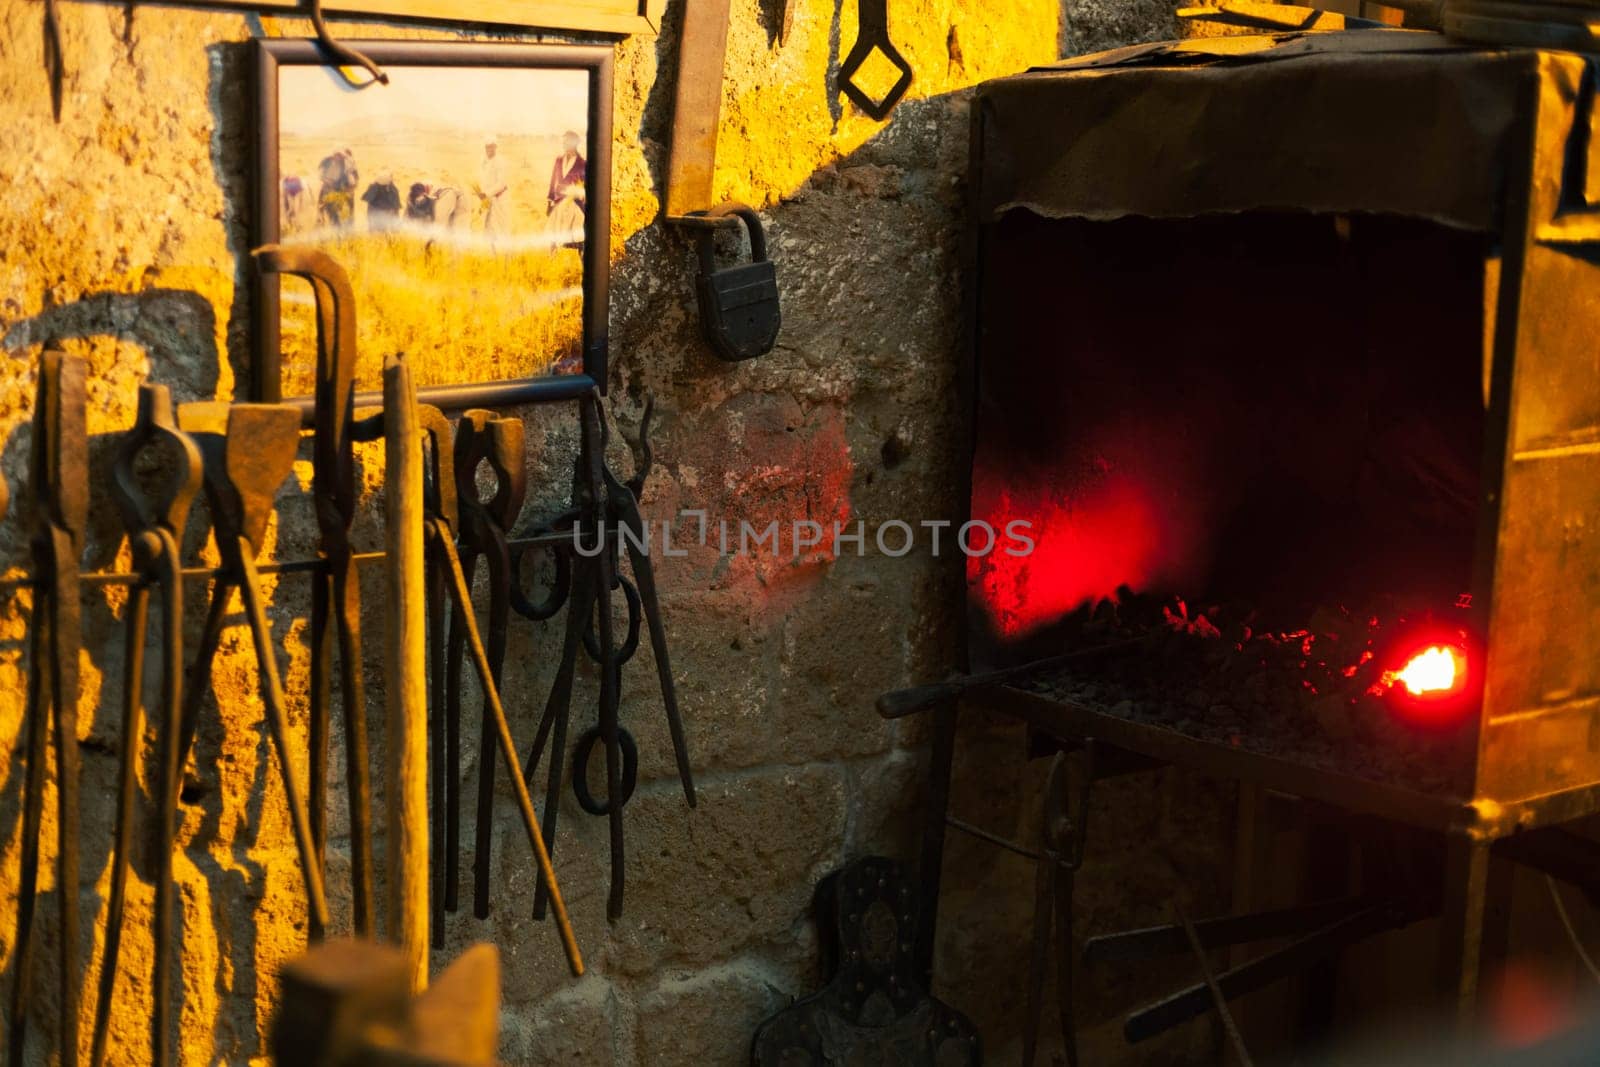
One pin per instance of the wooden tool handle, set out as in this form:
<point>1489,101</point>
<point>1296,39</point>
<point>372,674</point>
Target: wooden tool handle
<point>405,666</point>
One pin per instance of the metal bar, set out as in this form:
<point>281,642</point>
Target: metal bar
<point>1218,1001</point>
<point>551,390</point>
<point>1069,721</point>
<point>100,579</point>
<point>1146,943</point>
<point>1466,888</point>
<point>491,698</point>
<point>932,859</point>
<point>1262,971</point>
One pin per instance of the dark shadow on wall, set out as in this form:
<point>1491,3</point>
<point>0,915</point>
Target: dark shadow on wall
<point>177,330</point>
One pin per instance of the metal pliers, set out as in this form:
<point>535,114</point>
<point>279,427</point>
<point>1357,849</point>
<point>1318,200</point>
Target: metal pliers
<point>337,587</point>
<point>155,534</point>
<point>58,478</point>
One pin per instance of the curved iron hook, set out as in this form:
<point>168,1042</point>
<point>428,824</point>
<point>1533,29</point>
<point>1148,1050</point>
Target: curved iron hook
<point>346,55</point>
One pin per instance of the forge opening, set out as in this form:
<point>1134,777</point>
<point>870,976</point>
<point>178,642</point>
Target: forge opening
<point>1284,410</point>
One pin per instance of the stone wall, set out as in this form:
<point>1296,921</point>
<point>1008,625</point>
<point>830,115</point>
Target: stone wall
<point>124,237</point>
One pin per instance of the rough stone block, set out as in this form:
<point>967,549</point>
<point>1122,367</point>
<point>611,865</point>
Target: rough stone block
<point>736,871</point>
<point>577,1025</point>
<point>710,1016</point>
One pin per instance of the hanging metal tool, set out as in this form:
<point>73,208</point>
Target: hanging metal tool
<point>59,482</point>
<point>482,437</point>
<point>610,508</point>
<point>244,465</point>
<point>336,590</point>
<point>872,19</point>
<point>155,535</point>
<point>581,585</point>
<point>439,504</point>
<point>338,50</point>
<point>485,439</point>
<point>441,537</point>
<point>1060,856</point>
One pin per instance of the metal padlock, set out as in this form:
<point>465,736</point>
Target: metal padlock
<point>739,305</point>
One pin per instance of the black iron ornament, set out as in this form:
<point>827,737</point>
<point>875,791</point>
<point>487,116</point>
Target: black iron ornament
<point>873,18</point>
<point>873,1009</point>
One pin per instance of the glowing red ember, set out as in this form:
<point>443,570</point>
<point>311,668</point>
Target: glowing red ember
<point>1436,671</point>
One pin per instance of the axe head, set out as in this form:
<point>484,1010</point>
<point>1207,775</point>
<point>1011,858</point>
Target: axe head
<point>248,451</point>
<point>257,456</point>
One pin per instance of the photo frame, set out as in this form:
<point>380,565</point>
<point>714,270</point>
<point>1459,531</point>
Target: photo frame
<point>596,16</point>
<point>468,199</point>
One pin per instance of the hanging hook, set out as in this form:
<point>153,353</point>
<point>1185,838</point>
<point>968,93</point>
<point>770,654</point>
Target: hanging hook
<point>346,55</point>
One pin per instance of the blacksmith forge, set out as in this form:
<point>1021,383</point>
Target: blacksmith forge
<point>1298,327</point>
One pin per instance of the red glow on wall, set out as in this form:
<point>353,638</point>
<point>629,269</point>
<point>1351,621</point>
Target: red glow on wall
<point>1085,546</point>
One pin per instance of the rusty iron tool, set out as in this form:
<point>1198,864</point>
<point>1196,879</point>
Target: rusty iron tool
<point>443,540</point>
<point>1060,856</point>
<point>609,729</point>
<point>439,502</point>
<point>553,726</point>
<point>898,703</point>
<point>496,442</point>
<point>613,506</point>
<point>59,482</point>
<point>1219,1002</point>
<point>341,52</point>
<point>595,576</point>
<point>471,442</point>
<point>244,466</point>
<point>335,591</point>
<point>873,36</point>
<point>155,533</point>
<point>622,504</point>
<point>558,706</point>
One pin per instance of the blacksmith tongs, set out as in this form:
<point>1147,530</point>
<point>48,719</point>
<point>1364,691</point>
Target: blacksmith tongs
<point>336,588</point>
<point>440,503</point>
<point>482,438</point>
<point>616,506</point>
<point>59,482</point>
<point>155,535</point>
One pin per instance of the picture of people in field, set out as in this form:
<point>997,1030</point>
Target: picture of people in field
<point>456,199</point>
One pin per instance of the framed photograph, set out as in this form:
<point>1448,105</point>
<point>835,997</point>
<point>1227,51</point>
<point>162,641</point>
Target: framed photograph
<point>469,201</point>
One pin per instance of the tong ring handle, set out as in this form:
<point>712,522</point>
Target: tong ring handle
<point>580,771</point>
